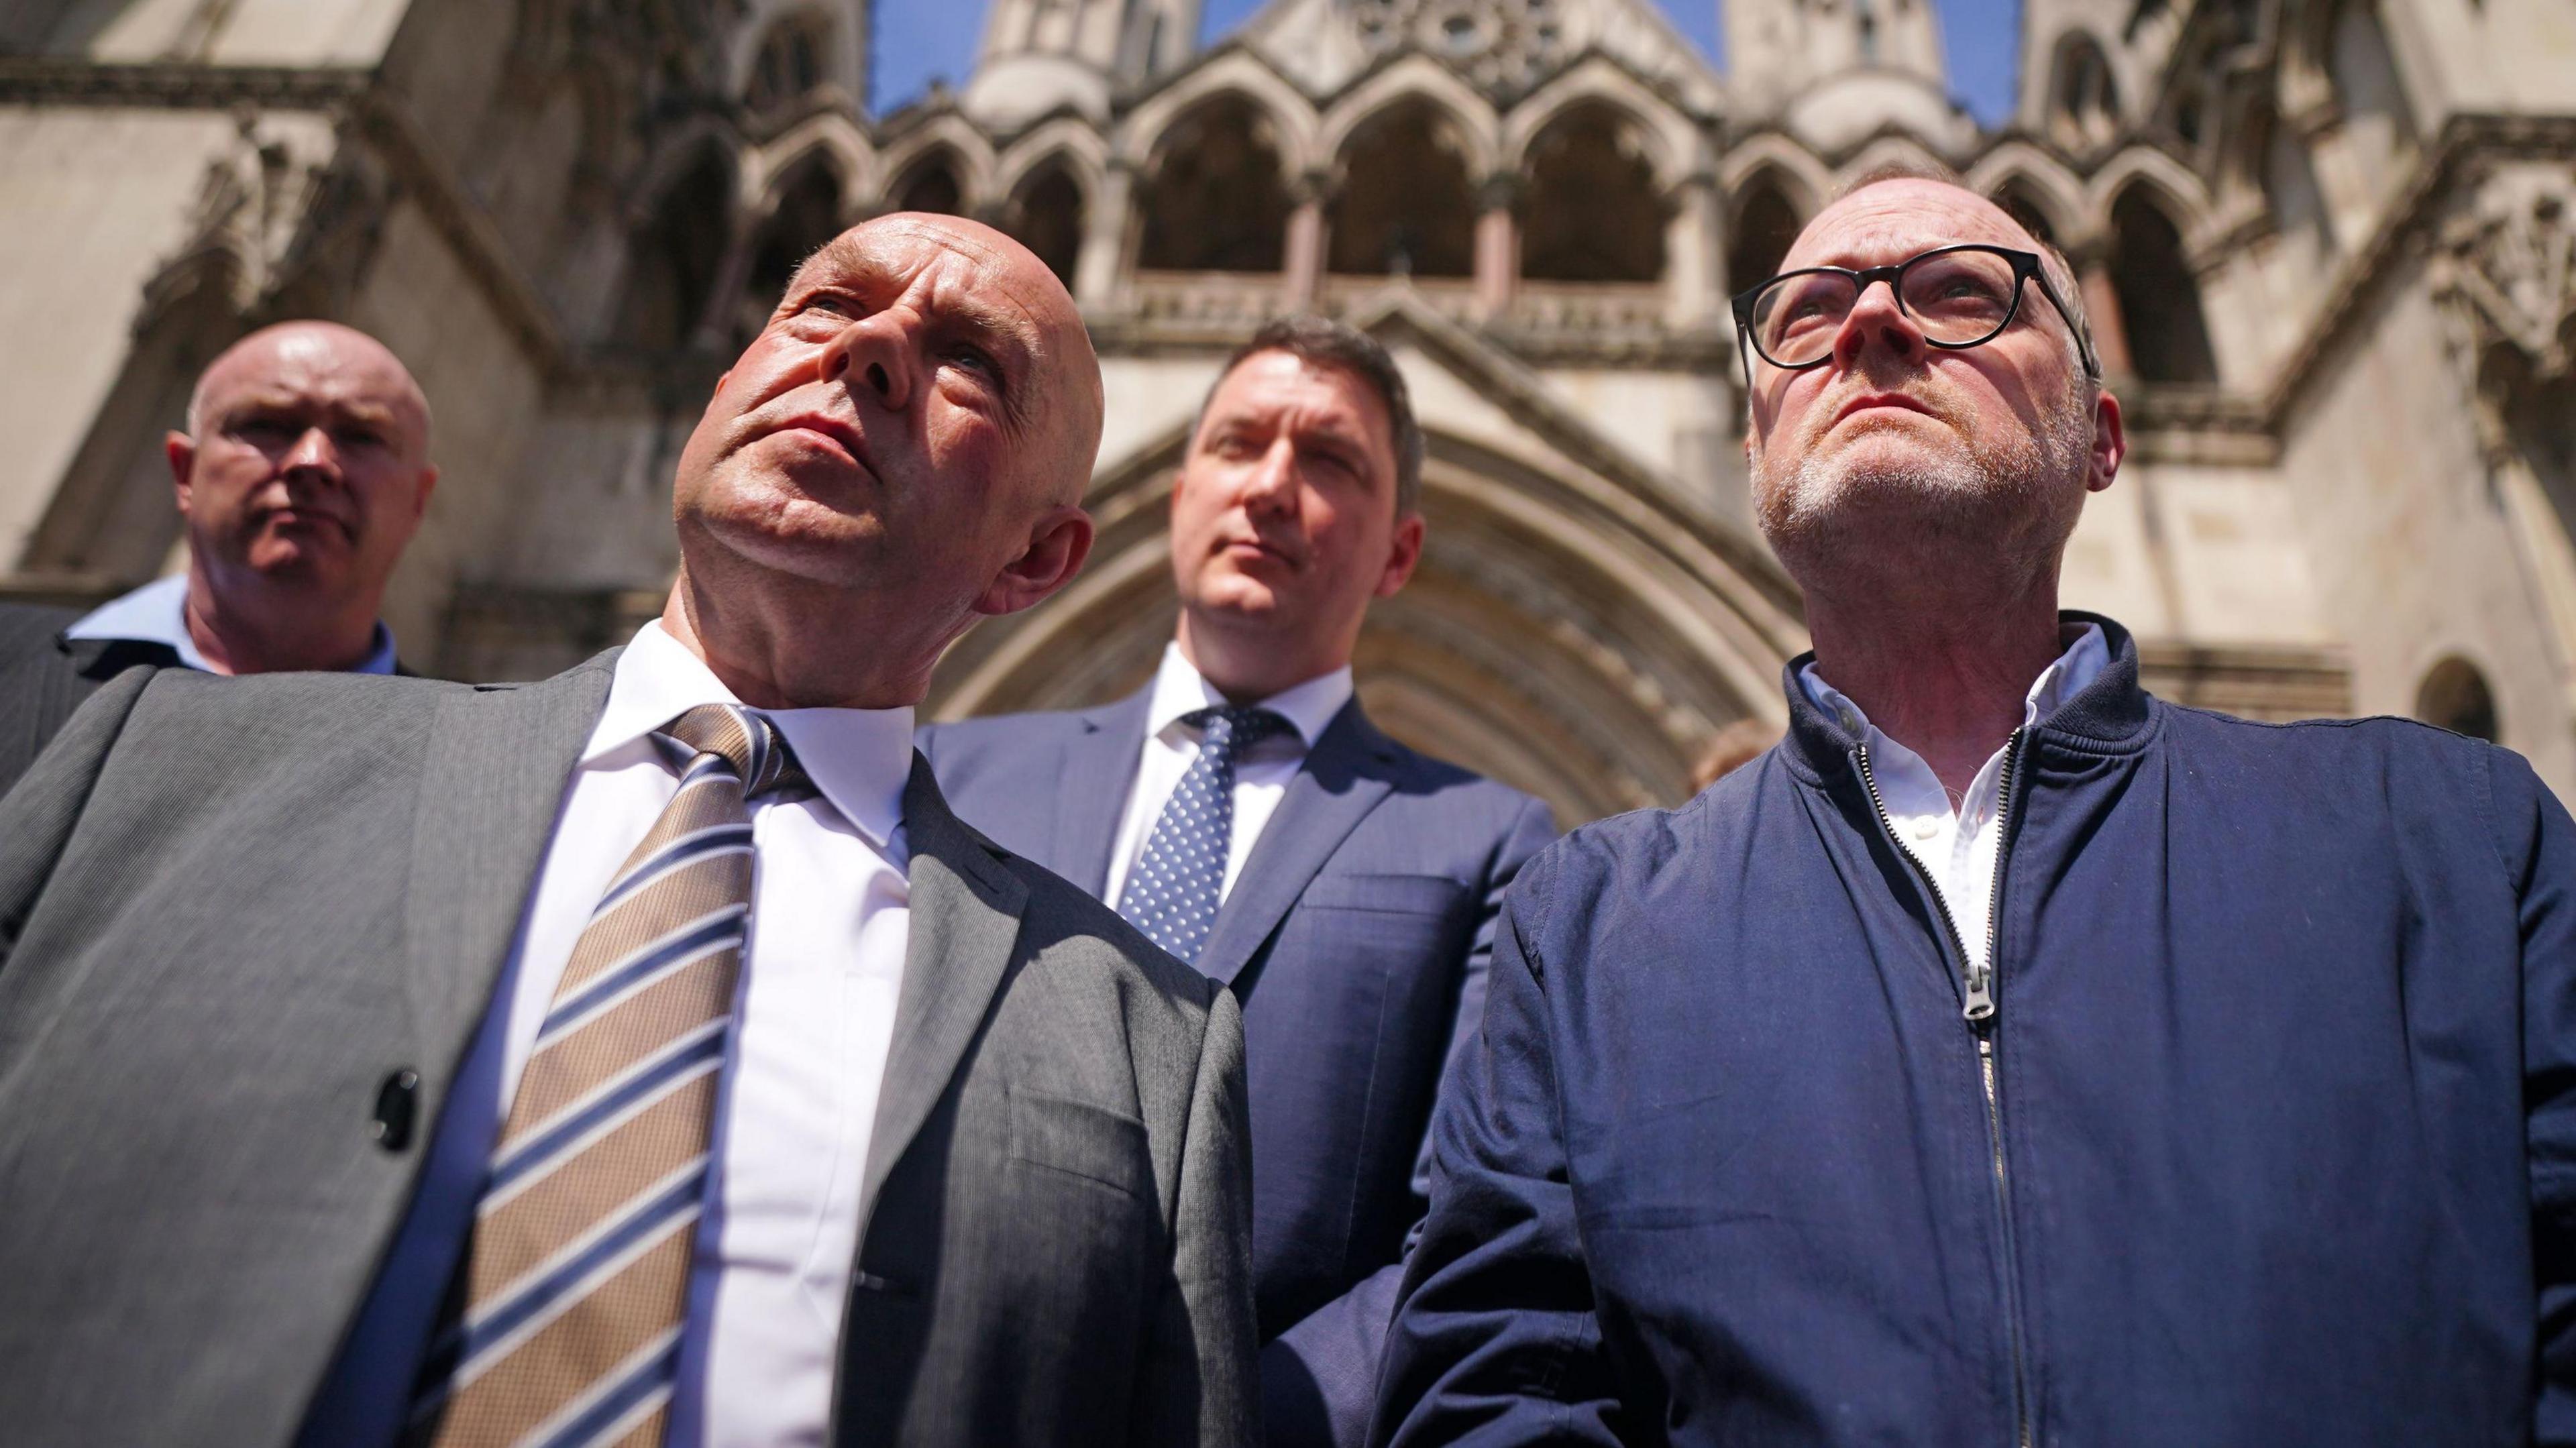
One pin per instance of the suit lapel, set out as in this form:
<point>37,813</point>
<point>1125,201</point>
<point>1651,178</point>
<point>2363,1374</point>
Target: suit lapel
<point>965,917</point>
<point>1344,777</point>
<point>489,791</point>
<point>1098,769</point>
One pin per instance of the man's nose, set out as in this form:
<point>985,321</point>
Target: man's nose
<point>1876,320</point>
<point>1272,484</point>
<point>312,456</point>
<point>874,356</point>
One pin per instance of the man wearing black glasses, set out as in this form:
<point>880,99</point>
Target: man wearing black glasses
<point>2007,1056</point>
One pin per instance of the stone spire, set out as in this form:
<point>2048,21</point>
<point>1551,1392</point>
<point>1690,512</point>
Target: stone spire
<point>1041,54</point>
<point>1836,70</point>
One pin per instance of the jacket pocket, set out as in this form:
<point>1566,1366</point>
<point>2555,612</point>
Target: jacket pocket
<point>1391,894</point>
<point>1083,1140</point>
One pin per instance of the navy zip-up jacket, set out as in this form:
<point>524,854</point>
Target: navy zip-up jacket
<point>2280,1148</point>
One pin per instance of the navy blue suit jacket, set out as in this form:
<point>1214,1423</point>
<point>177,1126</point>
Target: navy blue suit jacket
<point>1357,936</point>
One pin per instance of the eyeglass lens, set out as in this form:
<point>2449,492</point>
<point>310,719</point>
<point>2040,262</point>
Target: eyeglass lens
<point>1957,297</point>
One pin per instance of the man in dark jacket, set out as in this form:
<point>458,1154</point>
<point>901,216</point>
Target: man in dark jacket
<point>302,476</point>
<point>1342,885</point>
<point>2008,1056</point>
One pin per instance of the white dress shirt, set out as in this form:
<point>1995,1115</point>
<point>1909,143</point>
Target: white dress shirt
<point>1261,773</point>
<point>156,613</point>
<point>1957,845</point>
<point>813,1021</point>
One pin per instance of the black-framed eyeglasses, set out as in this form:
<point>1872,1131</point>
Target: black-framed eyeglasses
<point>1958,297</point>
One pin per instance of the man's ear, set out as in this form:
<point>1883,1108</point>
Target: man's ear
<point>2110,443</point>
<point>420,495</point>
<point>181,450</point>
<point>1403,554</point>
<point>1058,546</point>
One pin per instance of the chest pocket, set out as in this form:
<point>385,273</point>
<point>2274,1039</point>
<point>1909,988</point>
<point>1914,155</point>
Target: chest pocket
<point>1432,895</point>
<point>1081,1140</point>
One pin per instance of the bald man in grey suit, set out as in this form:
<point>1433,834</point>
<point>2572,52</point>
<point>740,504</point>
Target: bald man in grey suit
<point>385,1060</point>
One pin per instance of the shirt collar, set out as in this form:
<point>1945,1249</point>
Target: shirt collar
<point>1180,689</point>
<point>2083,662</point>
<point>859,759</point>
<point>157,613</point>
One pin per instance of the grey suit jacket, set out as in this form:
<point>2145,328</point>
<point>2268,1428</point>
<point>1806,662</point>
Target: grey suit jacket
<point>247,928</point>
<point>1357,937</point>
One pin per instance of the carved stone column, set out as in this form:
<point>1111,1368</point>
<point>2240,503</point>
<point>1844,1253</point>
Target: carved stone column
<point>1302,252</point>
<point>1096,266</point>
<point>2102,310</point>
<point>2505,277</point>
<point>1694,268</point>
<point>1498,246</point>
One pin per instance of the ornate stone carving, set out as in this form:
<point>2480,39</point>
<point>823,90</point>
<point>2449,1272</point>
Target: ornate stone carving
<point>251,201</point>
<point>2507,267</point>
<point>1498,43</point>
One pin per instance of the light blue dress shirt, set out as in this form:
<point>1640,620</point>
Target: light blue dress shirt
<point>157,613</point>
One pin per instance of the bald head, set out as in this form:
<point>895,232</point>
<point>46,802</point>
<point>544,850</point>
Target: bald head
<point>908,439</point>
<point>302,476</point>
<point>1029,302</point>
<point>297,350</point>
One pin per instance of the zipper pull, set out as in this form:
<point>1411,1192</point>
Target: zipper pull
<point>1979,1002</point>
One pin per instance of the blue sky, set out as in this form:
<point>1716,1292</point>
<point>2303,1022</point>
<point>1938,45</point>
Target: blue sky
<point>919,39</point>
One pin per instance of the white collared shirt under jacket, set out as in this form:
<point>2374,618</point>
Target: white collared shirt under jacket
<point>1957,845</point>
<point>812,1025</point>
<point>1261,774</point>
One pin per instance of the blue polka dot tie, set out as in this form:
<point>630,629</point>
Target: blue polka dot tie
<point>1173,892</point>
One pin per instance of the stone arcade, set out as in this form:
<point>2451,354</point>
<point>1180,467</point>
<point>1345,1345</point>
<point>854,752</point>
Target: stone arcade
<point>2326,245</point>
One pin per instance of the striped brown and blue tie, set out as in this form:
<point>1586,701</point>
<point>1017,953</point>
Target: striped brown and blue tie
<point>564,1328</point>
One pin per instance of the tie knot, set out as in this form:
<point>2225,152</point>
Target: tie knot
<point>1226,731</point>
<point>749,743</point>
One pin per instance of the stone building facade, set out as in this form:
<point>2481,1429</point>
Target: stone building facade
<point>2326,245</point>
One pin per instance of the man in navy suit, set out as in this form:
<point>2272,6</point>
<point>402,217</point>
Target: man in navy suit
<point>1243,811</point>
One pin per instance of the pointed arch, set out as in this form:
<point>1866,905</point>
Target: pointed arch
<point>2029,182</point>
<point>1762,222</point>
<point>1045,211</point>
<point>1406,204</point>
<point>947,139</point>
<point>2178,190</point>
<point>1799,173</point>
<point>2160,307</point>
<point>1590,208</point>
<point>1288,119</point>
<point>932,180</point>
<point>1069,141</point>
<point>831,137</point>
<point>2083,105</point>
<point>1424,87</point>
<point>1665,137</point>
<point>1215,192</point>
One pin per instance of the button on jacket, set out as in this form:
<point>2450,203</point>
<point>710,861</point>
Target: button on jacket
<point>2280,1145</point>
<point>829,921</point>
<point>239,986</point>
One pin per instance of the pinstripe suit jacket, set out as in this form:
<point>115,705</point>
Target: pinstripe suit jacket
<point>232,911</point>
<point>45,677</point>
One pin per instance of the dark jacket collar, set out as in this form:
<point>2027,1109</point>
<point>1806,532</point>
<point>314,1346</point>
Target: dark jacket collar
<point>2110,715</point>
<point>104,659</point>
